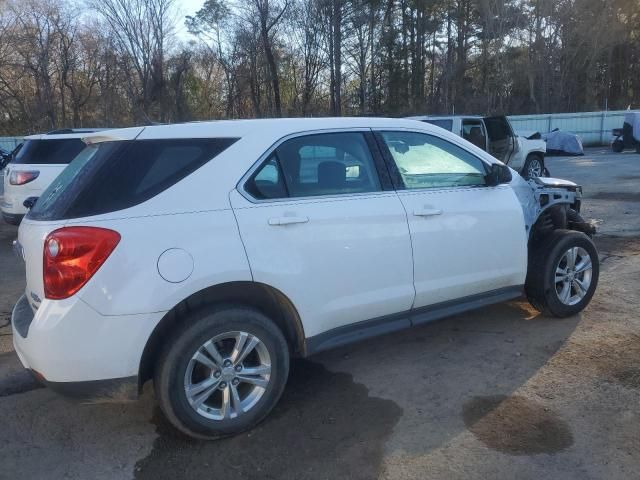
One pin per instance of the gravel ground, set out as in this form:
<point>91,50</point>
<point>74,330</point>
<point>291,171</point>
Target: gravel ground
<point>498,393</point>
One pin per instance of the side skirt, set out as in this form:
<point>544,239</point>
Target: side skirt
<point>356,332</point>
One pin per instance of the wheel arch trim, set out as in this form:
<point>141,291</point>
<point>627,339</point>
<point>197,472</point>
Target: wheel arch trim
<point>265,298</point>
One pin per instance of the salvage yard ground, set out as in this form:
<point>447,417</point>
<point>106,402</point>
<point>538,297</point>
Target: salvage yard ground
<point>498,393</point>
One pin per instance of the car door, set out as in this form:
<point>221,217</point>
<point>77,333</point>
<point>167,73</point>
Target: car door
<point>320,224</point>
<point>502,140</point>
<point>468,238</point>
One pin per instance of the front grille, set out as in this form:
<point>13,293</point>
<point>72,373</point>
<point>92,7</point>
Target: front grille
<point>22,316</point>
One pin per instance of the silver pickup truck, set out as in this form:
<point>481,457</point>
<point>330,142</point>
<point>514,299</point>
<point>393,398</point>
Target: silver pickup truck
<point>495,135</point>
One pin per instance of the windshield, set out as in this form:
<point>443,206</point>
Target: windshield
<point>56,189</point>
<point>49,152</point>
<point>113,176</point>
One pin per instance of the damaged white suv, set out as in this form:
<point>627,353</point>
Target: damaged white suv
<point>203,255</point>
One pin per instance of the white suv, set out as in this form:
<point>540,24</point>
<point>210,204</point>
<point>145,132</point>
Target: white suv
<point>40,159</point>
<point>204,255</point>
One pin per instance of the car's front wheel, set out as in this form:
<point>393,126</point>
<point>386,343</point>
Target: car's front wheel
<point>563,273</point>
<point>222,372</point>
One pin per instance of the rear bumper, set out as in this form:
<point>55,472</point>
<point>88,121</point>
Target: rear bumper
<point>78,352</point>
<point>12,203</point>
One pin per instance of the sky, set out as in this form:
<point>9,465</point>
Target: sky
<point>186,7</point>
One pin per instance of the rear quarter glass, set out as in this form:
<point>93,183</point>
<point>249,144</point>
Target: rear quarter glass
<point>112,176</point>
<point>49,152</point>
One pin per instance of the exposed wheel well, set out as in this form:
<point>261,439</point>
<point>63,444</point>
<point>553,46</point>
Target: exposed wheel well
<point>264,298</point>
<point>559,217</point>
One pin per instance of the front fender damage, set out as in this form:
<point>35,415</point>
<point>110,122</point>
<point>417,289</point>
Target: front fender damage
<point>550,203</point>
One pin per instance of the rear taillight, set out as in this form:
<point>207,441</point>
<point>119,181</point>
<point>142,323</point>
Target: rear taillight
<point>20,177</point>
<point>72,255</point>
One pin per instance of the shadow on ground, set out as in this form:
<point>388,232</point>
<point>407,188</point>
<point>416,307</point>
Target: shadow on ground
<point>328,426</point>
<point>325,426</point>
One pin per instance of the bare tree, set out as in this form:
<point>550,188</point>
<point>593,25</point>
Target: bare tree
<point>140,29</point>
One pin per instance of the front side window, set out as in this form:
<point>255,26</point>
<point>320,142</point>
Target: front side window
<point>312,165</point>
<point>425,161</point>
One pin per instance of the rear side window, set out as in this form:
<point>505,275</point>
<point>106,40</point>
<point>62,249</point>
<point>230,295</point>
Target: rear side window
<point>49,152</point>
<point>113,176</point>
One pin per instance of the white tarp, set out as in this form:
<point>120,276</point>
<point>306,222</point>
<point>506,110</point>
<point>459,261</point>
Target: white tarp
<point>633,119</point>
<point>563,142</point>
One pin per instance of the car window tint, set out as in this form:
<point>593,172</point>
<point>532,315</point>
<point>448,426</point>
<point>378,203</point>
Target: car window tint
<point>267,182</point>
<point>113,176</point>
<point>49,152</point>
<point>327,164</point>
<point>425,161</point>
<point>497,128</point>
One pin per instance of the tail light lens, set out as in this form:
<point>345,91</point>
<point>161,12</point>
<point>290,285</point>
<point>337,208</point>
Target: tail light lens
<point>20,177</point>
<point>72,255</point>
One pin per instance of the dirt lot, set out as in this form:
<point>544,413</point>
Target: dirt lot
<point>499,393</point>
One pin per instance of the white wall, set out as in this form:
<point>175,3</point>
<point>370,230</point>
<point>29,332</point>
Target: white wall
<point>9,143</point>
<point>593,127</point>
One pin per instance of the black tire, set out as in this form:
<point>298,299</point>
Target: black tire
<point>617,146</point>
<point>638,147</point>
<point>533,160</point>
<point>540,286</point>
<point>198,328</point>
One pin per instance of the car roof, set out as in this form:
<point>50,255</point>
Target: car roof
<point>445,117</point>
<point>64,133</point>
<point>278,128</point>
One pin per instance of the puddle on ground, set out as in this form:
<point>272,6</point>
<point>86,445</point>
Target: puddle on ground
<point>13,377</point>
<point>325,426</point>
<point>629,377</point>
<point>516,425</point>
<point>614,359</point>
<point>617,196</point>
<point>619,246</point>
<point>628,177</point>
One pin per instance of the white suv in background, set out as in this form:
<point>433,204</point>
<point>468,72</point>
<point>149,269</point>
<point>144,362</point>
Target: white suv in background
<point>495,135</point>
<point>40,159</point>
<point>203,255</point>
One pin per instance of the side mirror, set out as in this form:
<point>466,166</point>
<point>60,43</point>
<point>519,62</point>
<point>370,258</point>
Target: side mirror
<point>30,202</point>
<point>498,174</point>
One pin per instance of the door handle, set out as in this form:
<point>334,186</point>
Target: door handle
<point>275,221</point>
<point>427,212</point>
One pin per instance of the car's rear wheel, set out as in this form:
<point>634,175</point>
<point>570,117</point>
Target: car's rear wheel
<point>223,372</point>
<point>563,273</point>
<point>533,166</point>
<point>617,146</point>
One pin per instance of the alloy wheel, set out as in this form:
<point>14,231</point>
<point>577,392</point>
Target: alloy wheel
<point>573,276</point>
<point>534,168</point>
<point>227,375</point>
